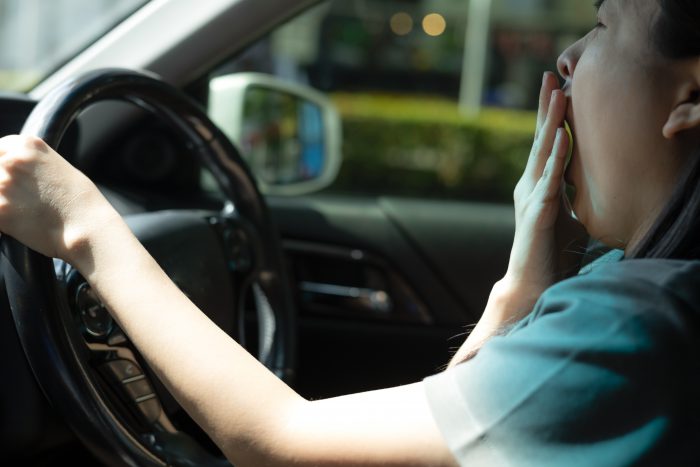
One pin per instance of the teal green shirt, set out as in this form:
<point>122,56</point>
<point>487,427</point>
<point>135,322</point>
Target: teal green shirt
<point>603,372</point>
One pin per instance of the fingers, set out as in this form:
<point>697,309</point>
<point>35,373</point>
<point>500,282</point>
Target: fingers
<point>22,158</point>
<point>551,182</point>
<point>544,140</point>
<point>23,143</point>
<point>11,150</point>
<point>552,124</point>
<point>7,143</point>
<point>549,84</point>
<point>566,202</point>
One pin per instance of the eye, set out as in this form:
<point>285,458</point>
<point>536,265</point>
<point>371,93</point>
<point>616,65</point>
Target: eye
<point>599,26</point>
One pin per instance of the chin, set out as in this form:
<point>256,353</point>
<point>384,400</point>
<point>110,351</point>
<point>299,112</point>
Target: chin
<point>599,231</point>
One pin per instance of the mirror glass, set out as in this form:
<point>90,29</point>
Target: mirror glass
<point>282,136</point>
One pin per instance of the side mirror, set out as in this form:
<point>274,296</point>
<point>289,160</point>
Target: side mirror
<point>289,134</point>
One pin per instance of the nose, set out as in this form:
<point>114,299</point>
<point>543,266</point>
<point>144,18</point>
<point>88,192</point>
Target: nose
<point>567,61</point>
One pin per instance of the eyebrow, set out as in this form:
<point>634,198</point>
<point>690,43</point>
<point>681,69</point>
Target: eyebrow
<point>598,3</point>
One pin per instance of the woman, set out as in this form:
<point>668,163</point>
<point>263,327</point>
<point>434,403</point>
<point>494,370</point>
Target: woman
<point>599,369</point>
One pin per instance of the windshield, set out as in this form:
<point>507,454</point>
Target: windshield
<point>38,36</point>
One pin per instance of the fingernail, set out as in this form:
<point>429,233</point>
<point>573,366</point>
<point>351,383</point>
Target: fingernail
<point>544,77</point>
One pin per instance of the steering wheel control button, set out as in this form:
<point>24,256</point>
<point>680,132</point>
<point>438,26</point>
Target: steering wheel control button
<point>95,317</point>
<point>236,237</point>
<point>150,408</point>
<point>116,338</point>
<point>138,389</point>
<point>125,370</point>
<point>237,247</point>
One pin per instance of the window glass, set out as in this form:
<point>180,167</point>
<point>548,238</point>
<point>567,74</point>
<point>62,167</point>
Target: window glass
<point>437,97</point>
<point>37,36</point>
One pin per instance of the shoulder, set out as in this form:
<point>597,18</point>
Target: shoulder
<point>664,295</point>
<point>602,369</point>
<point>637,280</point>
<point>662,272</point>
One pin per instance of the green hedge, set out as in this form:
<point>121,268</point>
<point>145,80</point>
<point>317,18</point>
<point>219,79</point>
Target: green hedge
<point>423,147</point>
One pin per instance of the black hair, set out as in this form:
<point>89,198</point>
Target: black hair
<point>676,233</point>
<point>676,30</point>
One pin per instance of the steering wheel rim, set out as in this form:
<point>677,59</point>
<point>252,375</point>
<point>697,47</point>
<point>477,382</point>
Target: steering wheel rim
<point>41,313</point>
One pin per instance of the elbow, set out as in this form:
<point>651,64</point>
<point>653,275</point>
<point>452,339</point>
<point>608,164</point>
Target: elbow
<point>275,441</point>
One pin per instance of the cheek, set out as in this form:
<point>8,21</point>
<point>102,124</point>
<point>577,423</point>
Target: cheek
<point>618,122</point>
<point>592,132</point>
<point>602,108</point>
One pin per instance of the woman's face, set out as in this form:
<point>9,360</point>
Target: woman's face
<point>620,97</point>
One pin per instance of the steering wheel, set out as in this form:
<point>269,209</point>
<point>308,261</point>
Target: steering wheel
<point>86,367</point>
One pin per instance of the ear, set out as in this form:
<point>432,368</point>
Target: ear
<point>686,112</point>
<point>684,117</point>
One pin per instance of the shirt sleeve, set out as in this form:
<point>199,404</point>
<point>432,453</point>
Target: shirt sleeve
<point>584,381</point>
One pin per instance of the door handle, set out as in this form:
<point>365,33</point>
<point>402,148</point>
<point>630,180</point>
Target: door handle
<point>377,301</point>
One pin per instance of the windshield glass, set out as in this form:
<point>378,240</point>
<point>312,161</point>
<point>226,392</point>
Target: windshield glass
<point>38,36</point>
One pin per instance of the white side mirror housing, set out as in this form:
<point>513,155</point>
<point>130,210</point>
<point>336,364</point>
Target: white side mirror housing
<point>289,134</point>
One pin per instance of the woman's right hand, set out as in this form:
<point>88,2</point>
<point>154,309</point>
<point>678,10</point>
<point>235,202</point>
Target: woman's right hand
<point>45,202</point>
<point>545,229</point>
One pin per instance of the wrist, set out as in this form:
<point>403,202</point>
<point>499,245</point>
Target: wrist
<point>511,300</point>
<point>82,236</point>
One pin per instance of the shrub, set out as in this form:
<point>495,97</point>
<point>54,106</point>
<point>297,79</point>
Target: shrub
<point>424,147</point>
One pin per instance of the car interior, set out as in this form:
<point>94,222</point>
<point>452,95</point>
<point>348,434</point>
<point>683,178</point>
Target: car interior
<point>338,287</point>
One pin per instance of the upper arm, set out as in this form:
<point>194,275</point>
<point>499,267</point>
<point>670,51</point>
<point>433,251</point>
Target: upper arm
<point>594,378</point>
<point>386,427</point>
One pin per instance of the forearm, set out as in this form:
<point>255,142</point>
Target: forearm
<point>227,391</point>
<point>253,416</point>
<point>507,303</point>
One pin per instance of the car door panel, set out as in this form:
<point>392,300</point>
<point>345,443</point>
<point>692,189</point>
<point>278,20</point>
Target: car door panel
<point>445,254</point>
<point>466,244</point>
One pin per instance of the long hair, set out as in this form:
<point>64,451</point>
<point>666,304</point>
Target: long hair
<point>676,232</point>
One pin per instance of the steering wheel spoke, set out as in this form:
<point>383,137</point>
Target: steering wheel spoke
<point>131,385</point>
<point>112,357</point>
<point>240,242</point>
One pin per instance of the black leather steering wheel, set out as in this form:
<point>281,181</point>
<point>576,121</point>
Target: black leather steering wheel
<point>76,370</point>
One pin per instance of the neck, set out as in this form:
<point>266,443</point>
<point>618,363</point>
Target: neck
<point>640,233</point>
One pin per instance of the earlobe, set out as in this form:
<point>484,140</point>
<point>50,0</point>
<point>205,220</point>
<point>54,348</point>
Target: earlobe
<point>684,117</point>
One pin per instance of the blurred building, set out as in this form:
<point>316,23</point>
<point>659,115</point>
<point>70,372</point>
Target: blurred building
<point>422,46</point>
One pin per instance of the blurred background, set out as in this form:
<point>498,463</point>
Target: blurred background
<point>37,36</point>
<point>437,97</point>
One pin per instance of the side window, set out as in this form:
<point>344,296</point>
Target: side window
<point>437,97</point>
